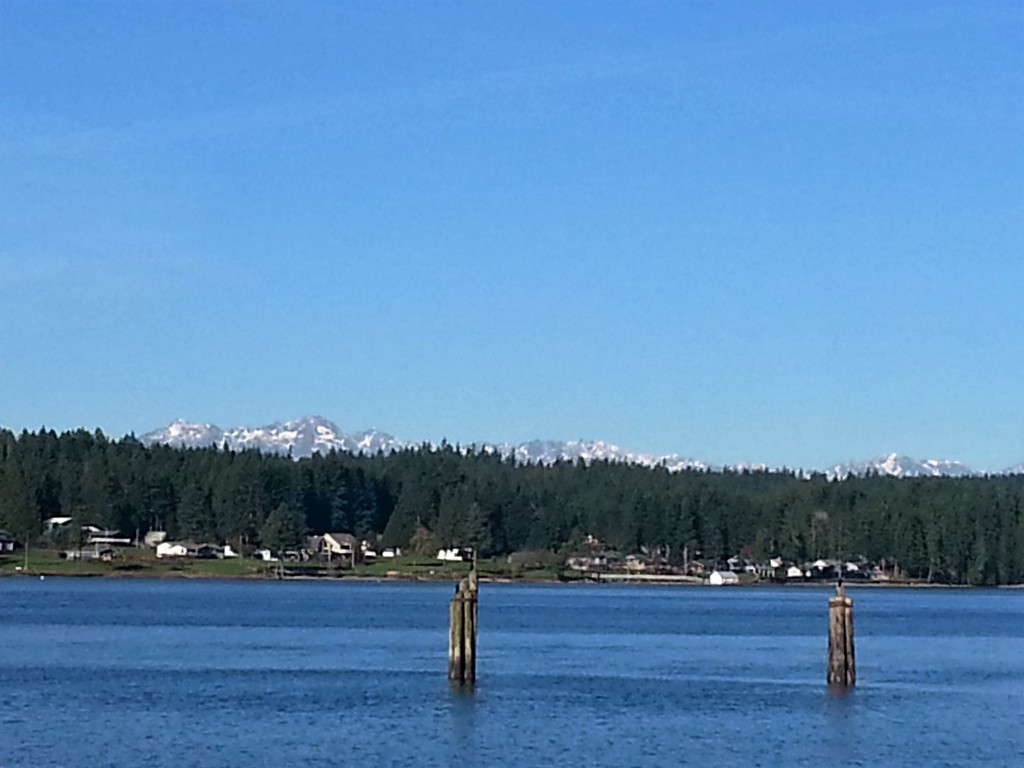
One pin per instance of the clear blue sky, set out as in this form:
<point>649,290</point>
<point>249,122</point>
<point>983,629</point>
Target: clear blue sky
<point>787,232</point>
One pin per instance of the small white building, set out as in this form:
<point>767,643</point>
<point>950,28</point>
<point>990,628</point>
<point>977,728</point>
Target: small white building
<point>455,555</point>
<point>718,578</point>
<point>794,572</point>
<point>171,549</point>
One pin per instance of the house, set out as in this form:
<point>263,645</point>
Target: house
<point>593,562</point>
<point>52,523</point>
<point>7,542</point>
<point>340,545</point>
<point>171,549</point>
<point>106,554</point>
<point>636,563</point>
<point>794,572</point>
<point>314,545</point>
<point>205,552</point>
<point>718,578</point>
<point>109,537</point>
<point>455,555</point>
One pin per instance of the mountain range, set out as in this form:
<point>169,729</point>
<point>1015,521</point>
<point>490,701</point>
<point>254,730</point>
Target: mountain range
<point>303,437</point>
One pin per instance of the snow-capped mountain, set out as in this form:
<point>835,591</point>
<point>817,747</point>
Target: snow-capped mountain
<point>896,465</point>
<point>302,437</point>
<point>550,451</point>
<point>185,434</point>
<point>312,434</point>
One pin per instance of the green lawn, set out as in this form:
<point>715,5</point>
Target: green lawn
<point>137,562</point>
<point>128,563</point>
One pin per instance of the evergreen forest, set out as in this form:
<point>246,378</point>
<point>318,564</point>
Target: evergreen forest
<point>946,530</point>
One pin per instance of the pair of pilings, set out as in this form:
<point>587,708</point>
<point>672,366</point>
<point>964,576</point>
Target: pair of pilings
<point>462,627</point>
<point>462,631</point>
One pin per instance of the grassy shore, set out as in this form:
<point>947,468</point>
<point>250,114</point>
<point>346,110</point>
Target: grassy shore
<point>142,563</point>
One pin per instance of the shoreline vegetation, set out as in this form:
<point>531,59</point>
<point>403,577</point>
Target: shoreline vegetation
<point>43,563</point>
<point>528,520</point>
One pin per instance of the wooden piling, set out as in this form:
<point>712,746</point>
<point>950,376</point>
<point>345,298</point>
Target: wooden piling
<point>842,671</point>
<point>462,625</point>
<point>455,632</point>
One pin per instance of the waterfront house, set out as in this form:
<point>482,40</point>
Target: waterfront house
<point>205,551</point>
<point>636,563</point>
<point>171,549</point>
<point>106,554</point>
<point>455,555</point>
<point>7,542</point>
<point>110,538</point>
<point>340,545</point>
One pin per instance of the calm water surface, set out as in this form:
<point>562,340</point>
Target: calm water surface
<point>220,673</point>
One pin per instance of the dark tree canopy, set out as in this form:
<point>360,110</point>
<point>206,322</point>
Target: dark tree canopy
<point>950,530</point>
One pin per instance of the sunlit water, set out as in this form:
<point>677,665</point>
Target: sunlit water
<point>223,673</point>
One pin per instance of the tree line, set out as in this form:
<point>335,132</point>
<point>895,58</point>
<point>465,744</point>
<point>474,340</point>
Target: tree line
<point>948,530</point>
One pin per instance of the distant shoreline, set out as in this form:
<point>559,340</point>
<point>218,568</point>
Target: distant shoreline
<point>450,578</point>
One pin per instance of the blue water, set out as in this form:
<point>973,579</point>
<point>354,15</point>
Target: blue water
<point>224,673</point>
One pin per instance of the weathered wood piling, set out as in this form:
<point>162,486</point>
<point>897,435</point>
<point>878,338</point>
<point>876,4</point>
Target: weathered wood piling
<point>462,623</point>
<point>842,671</point>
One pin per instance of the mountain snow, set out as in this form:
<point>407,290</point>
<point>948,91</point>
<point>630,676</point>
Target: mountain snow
<point>314,434</point>
<point>301,438</point>
<point>896,465</point>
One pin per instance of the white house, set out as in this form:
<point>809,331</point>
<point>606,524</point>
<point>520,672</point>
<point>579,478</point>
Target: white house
<point>342,545</point>
<point>339,543</point>
<point>718,578</point>
<point>455,555</point>
<point>794,572</point>
<point>171,549</point>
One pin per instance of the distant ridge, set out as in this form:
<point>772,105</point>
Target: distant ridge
<point>314,434</point>
<point>895,465</point>
<point>303,437</point>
